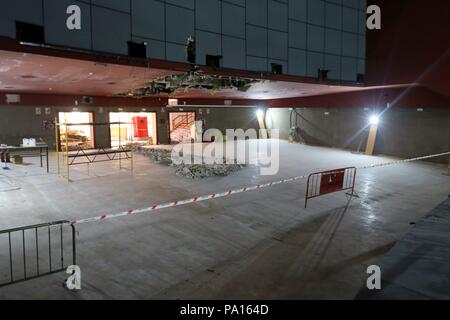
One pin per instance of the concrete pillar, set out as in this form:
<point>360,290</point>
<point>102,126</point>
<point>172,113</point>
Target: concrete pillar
<point>102,132</point>
<point>163,127</point>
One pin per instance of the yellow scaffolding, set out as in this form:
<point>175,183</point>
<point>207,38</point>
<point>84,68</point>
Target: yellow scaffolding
<point>67,158</point>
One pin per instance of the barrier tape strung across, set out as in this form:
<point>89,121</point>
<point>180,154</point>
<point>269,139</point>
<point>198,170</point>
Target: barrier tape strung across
<point>404,161</point>
<point>214,196</point>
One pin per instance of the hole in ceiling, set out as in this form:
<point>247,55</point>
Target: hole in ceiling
<point>195,80</point>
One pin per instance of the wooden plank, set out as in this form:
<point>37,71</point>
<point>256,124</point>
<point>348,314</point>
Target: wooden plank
<point>262,126</point>
<point>371,140</point>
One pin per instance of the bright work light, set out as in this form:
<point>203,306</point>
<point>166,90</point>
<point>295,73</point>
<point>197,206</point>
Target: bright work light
<point>374,120</point>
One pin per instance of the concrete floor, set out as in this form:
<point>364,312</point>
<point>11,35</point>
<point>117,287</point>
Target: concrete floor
<point>418,266</point>
<point>259,245</point>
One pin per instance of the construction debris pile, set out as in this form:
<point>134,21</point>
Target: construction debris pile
<point>190,171</point>
<point>197,171</point>
<point>159,156</point>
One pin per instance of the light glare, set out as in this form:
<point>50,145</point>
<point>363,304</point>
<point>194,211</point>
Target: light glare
<point>374,120</point>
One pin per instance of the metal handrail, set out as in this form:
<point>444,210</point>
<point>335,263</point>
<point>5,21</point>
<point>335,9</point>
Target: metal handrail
<point>185,119</point>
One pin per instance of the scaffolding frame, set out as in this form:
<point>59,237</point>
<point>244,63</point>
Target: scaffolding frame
<point>65,158</point>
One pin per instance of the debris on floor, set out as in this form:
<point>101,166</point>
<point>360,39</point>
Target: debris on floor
<point>159,156</point>
<point>190,171</point>
<point>204,171</point>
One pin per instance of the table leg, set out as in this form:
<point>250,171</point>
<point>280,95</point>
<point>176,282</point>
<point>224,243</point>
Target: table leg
<point>40,155</point>
<point>46,153</point>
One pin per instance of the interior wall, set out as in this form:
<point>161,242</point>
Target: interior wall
<point>18,122</point>
<point>411,46</point>
<point>229,118</point>
<point>402,132</point>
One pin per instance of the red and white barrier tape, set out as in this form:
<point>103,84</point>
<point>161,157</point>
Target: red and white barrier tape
<point>214,196</point>
<point>404,161</point>
<point>174,204</point>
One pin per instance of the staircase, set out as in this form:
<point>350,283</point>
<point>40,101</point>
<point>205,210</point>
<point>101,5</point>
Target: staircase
<point>181,127</point>
<point>182,133</point>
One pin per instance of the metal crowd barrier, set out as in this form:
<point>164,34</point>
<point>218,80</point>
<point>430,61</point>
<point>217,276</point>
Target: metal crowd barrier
<point>326,182</point>
<point>32,252</point>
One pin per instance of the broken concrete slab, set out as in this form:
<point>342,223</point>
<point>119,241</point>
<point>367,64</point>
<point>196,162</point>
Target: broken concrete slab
<point>163,156</point>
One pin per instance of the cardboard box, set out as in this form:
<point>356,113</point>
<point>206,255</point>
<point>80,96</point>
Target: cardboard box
<point>17,159</point>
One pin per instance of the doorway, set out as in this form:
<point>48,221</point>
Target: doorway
<point>132,127</point>
<point>80,130</point>
<point>181,126</point>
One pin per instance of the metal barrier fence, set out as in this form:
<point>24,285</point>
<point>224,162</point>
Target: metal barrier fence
<point>326,182</point>
<point>32,252</point>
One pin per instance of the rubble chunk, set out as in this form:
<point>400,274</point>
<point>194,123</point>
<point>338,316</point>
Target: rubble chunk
<point>190,171</point>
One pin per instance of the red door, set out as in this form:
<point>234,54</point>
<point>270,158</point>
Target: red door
<point>140,125</point>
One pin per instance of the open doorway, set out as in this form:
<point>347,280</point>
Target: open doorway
<point>133,127</point>
<point>181,126</point>
<point>79,132</point>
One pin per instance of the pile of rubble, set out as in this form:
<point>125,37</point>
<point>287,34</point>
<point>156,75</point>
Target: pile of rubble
<point>201,171</point>
<point>160,156</point>
<point>191,171</point>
